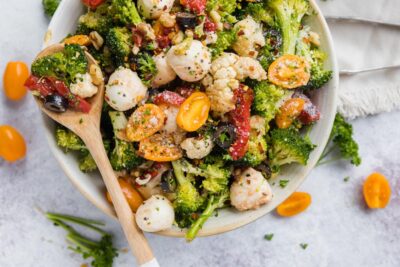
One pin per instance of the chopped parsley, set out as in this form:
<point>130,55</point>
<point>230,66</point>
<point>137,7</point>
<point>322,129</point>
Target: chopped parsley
<point>303,245</point>
<point>283,183</point>
<point>268,237</point>
<point>346,179</point>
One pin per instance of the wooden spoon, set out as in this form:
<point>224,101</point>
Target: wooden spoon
<point>87,127</point>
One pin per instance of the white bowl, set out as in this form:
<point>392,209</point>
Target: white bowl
<point>92,187</point>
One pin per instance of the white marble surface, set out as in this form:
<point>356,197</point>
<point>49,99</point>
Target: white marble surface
<point>339,229</point>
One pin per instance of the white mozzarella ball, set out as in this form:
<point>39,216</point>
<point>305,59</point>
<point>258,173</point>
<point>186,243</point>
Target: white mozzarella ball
<point>165,74</point>
<point>191,60</point>
<point>152,9</point>
<point>155,214</point>
<point>124,90</point>
<point>84,86</point>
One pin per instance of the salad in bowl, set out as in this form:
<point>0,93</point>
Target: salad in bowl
<point>206,102</point>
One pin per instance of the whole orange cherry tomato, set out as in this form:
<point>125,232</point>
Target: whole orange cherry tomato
<point>376,191</point>
<point>295,204</point>
<point>12,144</point>
<point>289,71</point>
<point>193,113</point>
<point>14,78</point>
<point>131,194</point>
<point>289,111</point>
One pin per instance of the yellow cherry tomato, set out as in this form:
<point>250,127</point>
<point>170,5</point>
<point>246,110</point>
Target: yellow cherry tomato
<point>376,191</point>
<point>14,78</point>
<point>289,71</point>
<point>12,144</point>
<point>295,204</point>
<point>131,194</point>
<point>159,148</point>
<point>83,40</point>
<point>289,111</point>
<point>144,122</point>
<point>193,113</point>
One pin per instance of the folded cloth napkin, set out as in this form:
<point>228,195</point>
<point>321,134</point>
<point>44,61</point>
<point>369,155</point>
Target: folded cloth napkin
<point>360,46</point>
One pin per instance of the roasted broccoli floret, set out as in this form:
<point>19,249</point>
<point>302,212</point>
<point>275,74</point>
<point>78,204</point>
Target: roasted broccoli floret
<point>342,138</point>
<point>188,199</point>
<point>257,151</point>
<point>260,13</point>
<point>124,12</point>
<point>214,202</point>
<point>63,65</point>
<point>123,156</point>
<point>103,57</point>
<point>96,20</point>
<point>69,141</point>
<point>224,7</point>
<point>288,146</point>
<point>119,42</point>
<point>315,57</point>
<point>50,6</point>
<point>289,14</point>
<point>147,68</point>
<point>272,48</point>
<point>266,98</point>
<point>225,40</point>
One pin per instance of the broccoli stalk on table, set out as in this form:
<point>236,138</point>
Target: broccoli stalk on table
<point>69,141</point>
<point>102,252</point>
<point>123,156</point>
<point>341,138</point>
<point>289,14</point>
<point>288,146</point>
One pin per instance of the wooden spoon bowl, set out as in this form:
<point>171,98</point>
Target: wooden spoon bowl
<point>87,127</point>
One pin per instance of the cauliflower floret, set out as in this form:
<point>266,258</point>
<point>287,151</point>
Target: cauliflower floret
<point>191,60</point>
<point>249,67</point>
<point>250,190</point>
<point>249,37</point>
<point>83,86</point>
<point>197,148</point>
<point>225,73</point>
<point>165,73</point>
<point>124,90</point>
<point>155,214</point>
<point>152,9</point>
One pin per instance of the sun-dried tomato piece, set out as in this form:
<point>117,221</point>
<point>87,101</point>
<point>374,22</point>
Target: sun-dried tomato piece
<point>241,120</point>
<point>169,98</point>
<point>209,26</point>
<point>196,6</point>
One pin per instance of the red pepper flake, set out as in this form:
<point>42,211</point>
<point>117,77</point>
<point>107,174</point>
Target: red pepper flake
<point>169,98</point>
<point>241,120</point>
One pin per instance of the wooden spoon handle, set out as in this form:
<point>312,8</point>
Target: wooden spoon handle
<point>133,234</point>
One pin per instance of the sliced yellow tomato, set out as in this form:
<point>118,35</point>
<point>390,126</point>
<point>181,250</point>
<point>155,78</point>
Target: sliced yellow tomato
<point>144,122</point>
<point>289,71</point>
<point>376,191</point>
<point>295,204</point>
<point>193,113</point>
<point>83,40</point>
<point>159,148</point>
<point>289,111</point>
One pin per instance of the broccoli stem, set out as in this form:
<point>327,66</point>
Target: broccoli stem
<point>179,175</point>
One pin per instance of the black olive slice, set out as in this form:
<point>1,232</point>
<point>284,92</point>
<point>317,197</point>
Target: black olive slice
<point>225,135</point>
<point>56,103</point>
<point>186,20</point>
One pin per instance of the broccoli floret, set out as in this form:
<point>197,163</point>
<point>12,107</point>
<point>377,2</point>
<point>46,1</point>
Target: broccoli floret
<point>224,7</point>
<point>147,68</point>
<point>86,162</point>
<point>289,14</point>
<point>341,137</point>
<point>103,57</point>
<point>188,199</point>
<point>266,98</point>
<point>315,57</point>
<point>123,156</point>
<point>119,42</point>
<point>272,48</point>
<point>225,40</point>
<point>260,13</point>
<point>63,65</point>
<point>257,151</point>
<point>95,20</point>
<point>288,146</point>
<point>67,140</point>
<point>125,12</point>
<point>50,6</point>
<point>214,202</point>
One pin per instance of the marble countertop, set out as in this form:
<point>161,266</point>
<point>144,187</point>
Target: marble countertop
<point>337,227</point>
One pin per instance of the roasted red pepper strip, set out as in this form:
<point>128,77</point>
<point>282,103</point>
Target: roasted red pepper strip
<point>169,98</point>
<point>43,86</point>
<point>241,120</point>
<point>196,6</point>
